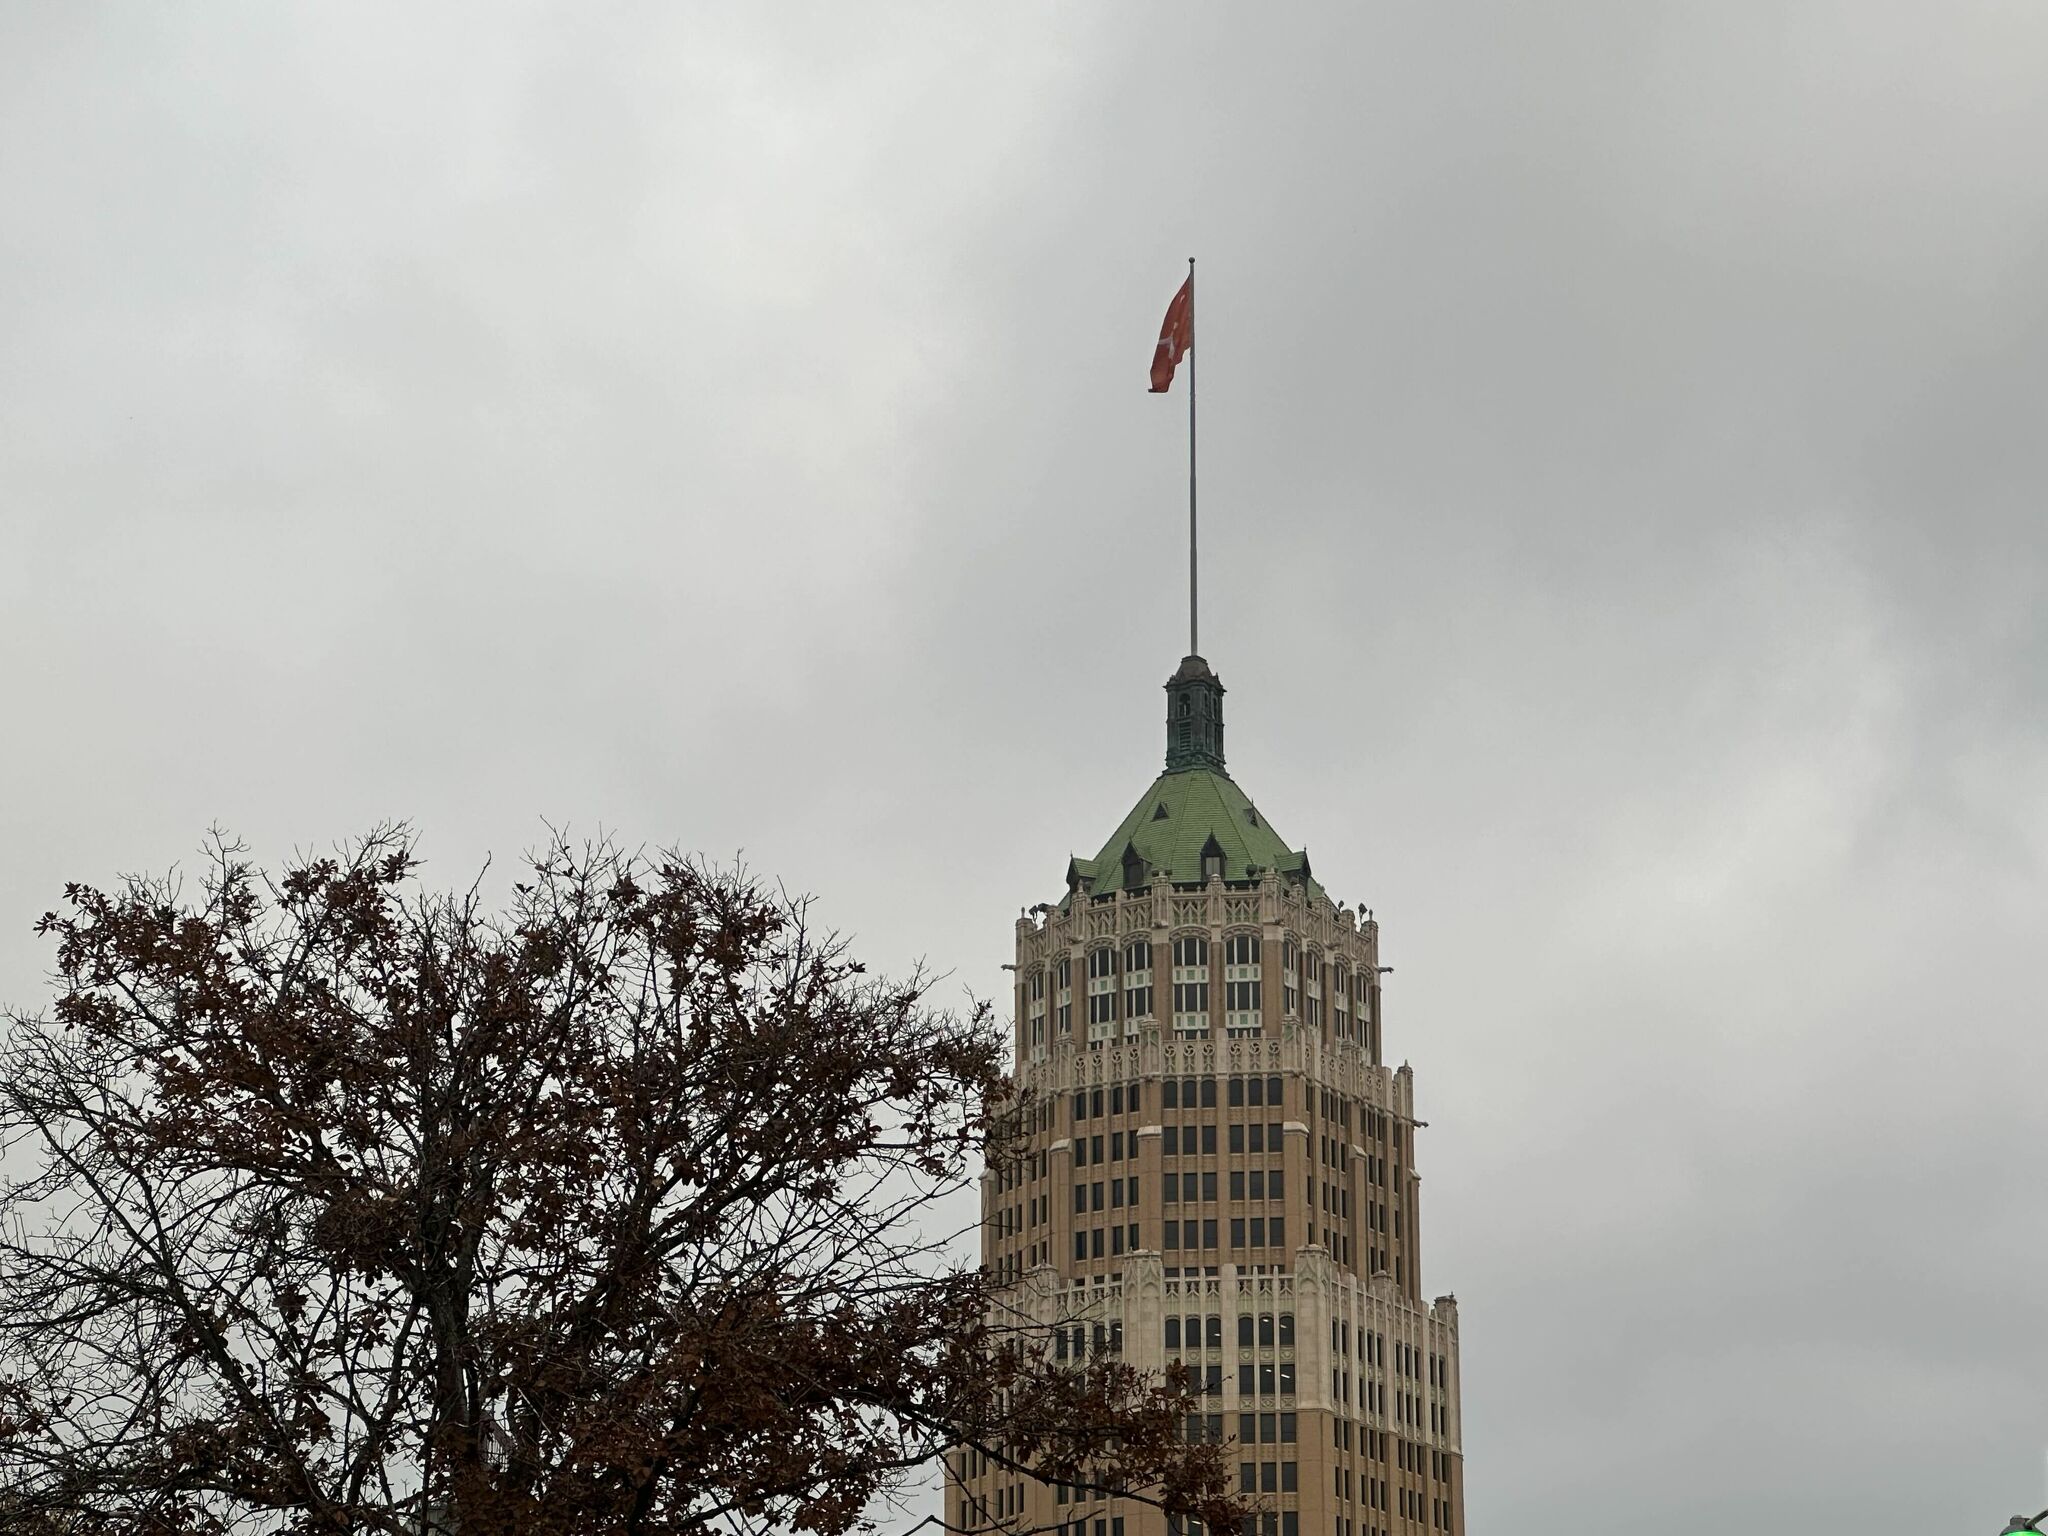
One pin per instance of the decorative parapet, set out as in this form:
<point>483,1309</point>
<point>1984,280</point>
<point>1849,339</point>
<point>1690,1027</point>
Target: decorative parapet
<point>1269,901</point>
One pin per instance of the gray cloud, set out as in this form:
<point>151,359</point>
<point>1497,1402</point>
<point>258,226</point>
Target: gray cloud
<point>1622,474</point>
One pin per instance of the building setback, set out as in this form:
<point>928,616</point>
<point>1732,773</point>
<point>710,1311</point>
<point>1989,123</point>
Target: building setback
<point>1223,1169</point>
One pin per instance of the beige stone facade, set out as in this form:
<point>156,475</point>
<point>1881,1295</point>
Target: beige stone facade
<point>1224,1173</point>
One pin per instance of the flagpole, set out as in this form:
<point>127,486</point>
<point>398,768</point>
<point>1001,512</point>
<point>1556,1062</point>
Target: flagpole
<point>1194,609</point>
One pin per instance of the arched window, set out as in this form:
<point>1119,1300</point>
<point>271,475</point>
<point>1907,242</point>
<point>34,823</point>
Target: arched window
<point>1241,983</point>
<point>1191,984</point>
<point>1101,995</point>
<point>1137,984</point>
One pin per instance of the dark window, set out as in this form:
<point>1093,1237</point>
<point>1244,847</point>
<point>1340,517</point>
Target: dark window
<point>1236,1137</point>
<point>1236,1091</point>
<point>1208,1186</point>
<point>1256,1094</point>
<point>1237,1183</point>
<point>1215,1331</point>
<point>1173,1333</point>
<point>1116,1099</point>
<point>1208,1234</point>
<point>1244,1330</point>
<point>1237,1231</point>
<point>1287,1324</point>
<point>1169,1093</point>
<point>1208,1093</point>
<point>1095,1103</point>
<point>1208,1139</point>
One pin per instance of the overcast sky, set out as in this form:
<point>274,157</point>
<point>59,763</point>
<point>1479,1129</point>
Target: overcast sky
<point>1623,475</point>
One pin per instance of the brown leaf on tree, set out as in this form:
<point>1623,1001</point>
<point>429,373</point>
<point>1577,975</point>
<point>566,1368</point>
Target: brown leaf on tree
<point>347,1205</point>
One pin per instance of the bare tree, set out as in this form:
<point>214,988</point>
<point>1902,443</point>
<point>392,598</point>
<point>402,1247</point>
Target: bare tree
<point>344,1205</point>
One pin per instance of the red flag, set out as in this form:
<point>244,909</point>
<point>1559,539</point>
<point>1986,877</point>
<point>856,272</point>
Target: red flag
<point>1176,336</point>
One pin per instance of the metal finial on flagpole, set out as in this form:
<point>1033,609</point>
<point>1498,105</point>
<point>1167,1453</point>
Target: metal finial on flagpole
<point>1194,600</point>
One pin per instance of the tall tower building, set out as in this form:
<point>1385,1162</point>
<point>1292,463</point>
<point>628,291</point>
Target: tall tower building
<point>1224,1167</point>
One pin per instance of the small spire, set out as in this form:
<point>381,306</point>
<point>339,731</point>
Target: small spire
<point>1194,717</point>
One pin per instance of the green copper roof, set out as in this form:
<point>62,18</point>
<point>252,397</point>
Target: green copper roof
<point>1177,819</point>
<point>1192,810</point>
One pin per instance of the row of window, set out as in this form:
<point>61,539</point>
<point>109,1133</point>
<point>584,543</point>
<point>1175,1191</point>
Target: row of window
<point>1252,1232</point>
<point>1302,994</point>
<point>1182,1092</point>
<point>1113,1148</point>
<point>1263,1331</point>
<point>1076,1340</point>
<point>1198,1140</point>
<point>1238,1091</point>
<point>1268,1477</point>
<point>1185,1092</point>
<point>1245,1184</point>
<point>1020,1168</point>
<point>1117,1099</point>
<point>1373,1442</point>
<point>1122,1192</point>
<point>1099,1242</point>
<point>1267,1378</point>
